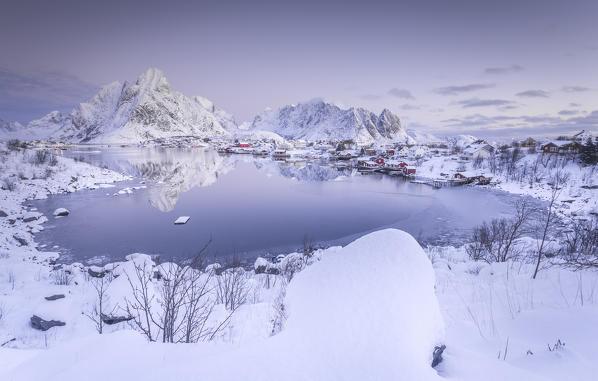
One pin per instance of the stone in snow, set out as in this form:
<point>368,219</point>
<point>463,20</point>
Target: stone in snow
<point>96,271</point>
<point>182,220</point>
<point>31,216</point>
<point>44,325</point>
<point>3,213</point>
<point>61,212</point>
<point>113,319</point>
<point>54,297</point>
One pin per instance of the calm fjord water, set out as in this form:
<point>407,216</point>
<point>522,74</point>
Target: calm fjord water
<point>248,206</point>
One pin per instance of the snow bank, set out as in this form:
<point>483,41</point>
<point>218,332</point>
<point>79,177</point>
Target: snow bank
<point>367,311</point>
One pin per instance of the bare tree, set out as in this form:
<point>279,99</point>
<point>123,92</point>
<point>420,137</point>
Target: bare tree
<point>96,315</point>
<point>581,244</point>
<point>547,219</point>
<point>496,241</point>
<point>177,306</point>
<point>140,307</point>
<point>231,288</point>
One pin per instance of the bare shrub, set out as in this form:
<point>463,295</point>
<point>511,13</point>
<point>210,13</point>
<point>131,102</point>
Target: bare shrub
<point>293,264</point>
<point>53,161</point>
<point>580,244</point>
<point>12,279</point>
<point>40,157</point>
<point>62,277</point>
<point>97,313</point>
<point>280,313</point>
<point>546,222</point>
<point>231,289</point>
<point>14,144</point>
<point>477,162</point>
<point>9,184</point>
<point>497,241</point>
<point>177,306</point>
<point>140,307</point>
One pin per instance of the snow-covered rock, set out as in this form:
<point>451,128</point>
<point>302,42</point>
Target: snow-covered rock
<point>318,120</point>
<point>61,212</point>
<point>122,112</point>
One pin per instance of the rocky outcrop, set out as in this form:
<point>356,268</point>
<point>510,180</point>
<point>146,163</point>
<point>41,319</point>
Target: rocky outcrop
<point>44,325</point>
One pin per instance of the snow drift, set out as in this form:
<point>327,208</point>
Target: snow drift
<point>366,311</point>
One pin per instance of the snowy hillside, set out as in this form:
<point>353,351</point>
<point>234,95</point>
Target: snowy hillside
<point>132,113</point>
<point>11,130</point>
<point>424,137</point>
<point>318,120</point>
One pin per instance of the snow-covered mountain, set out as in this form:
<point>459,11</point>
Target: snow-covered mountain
<point>10,129</point>
<point>423,137</point>
<point>122,112</point>
<point>318,120</point>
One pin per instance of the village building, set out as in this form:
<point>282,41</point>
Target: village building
<point>562,147</point>
<point>477,151</point>
<point>529,142</point>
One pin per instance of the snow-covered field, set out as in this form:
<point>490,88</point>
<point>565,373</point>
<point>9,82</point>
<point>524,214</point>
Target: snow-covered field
<point>374,309</point>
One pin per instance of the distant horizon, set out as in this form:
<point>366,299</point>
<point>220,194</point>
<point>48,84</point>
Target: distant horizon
<point>466,67</point>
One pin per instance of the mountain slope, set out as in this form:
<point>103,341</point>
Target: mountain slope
<point>10,130</point>
<point>318,120</point>
<point>133,113</point>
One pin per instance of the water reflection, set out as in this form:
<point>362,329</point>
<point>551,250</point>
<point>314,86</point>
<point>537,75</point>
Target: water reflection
<point>173,171</point>
<point>250,206</point>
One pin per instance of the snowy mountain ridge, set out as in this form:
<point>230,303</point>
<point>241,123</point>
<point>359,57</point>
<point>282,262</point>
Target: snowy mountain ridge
<point>319,120</point>
<point>148,109</point>
<point>122,112</point>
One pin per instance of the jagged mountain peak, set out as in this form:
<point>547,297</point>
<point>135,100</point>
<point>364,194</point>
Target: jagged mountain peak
<point>320,120</point>
<point>148,109</point>
<point>153,79</point>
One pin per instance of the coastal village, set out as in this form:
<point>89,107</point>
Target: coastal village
<point>462,155</point>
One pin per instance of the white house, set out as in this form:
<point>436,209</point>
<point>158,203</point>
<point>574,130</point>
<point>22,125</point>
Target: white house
<point>475,151</point>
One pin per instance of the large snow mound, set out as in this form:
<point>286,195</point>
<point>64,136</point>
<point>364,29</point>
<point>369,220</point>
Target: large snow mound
<point>367,311</point>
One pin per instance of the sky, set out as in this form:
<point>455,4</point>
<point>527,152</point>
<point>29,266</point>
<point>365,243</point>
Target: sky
<point>488,68</point>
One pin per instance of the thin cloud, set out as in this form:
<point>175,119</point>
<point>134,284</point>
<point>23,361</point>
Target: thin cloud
<point>408,107</point>
<point>25,96</point>
<point>503,70</point>
<point>574,105</point>
<point>401,93</point>
<point>568,112</point>
<point>476,102</point>
<point>456,90</point>
<point>533,94</point>
<point>575,89</point>
<point>509,126</point>
<point>370,97</point>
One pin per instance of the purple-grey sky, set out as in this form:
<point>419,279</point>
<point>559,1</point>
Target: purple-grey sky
<point>506,67</point>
